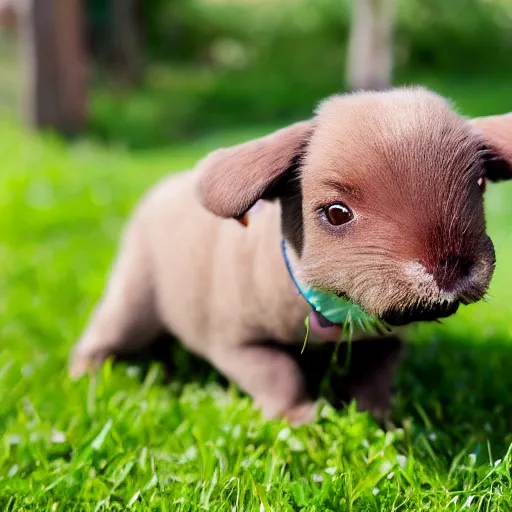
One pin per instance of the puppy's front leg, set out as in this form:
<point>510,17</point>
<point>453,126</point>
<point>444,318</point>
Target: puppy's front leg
<point>370,378</point>
<point>270,376</point>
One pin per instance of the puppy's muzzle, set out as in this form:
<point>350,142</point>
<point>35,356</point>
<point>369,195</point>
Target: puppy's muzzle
<point>420,313</point>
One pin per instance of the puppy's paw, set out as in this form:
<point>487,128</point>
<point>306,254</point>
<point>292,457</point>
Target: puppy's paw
<point>83,362</point>
<point>301,414</point>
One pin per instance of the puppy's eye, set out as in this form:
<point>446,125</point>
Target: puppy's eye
<point>338,214</point>
<point>482,184</point>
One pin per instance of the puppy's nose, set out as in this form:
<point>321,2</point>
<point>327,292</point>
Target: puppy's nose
<point>451,271</point>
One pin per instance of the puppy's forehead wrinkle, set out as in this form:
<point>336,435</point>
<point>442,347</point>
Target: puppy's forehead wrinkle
<point>411,135</point>
<point>342,188</point>
<point>418,160</point>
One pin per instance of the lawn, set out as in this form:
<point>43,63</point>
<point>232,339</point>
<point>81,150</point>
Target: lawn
<point>125,440</point>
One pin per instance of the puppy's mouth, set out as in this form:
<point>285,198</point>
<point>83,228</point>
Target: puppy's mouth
<point>420,313</point>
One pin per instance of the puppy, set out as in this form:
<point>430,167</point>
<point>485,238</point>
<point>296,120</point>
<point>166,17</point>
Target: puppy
<point>379,200</point>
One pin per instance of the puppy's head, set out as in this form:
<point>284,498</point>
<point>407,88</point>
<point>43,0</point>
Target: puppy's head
<point>382,198</point>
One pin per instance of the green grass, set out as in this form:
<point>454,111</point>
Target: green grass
<point>127,441</point>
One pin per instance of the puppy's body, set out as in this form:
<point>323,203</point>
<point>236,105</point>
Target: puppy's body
<point>415,242</point>
<point>222,289</point>
<point>215,280</point>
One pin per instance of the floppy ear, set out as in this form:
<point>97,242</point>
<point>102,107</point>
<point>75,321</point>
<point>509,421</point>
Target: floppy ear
<point>233,179</point>
<point>496,132</point>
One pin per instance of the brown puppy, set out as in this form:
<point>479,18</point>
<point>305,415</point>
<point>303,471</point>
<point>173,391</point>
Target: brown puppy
<point>380,199</point>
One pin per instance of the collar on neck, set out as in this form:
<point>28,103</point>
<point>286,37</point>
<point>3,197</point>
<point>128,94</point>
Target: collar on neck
<point>327,304</point>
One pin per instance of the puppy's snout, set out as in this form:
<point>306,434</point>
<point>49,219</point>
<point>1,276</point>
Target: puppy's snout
<point>451,272</point>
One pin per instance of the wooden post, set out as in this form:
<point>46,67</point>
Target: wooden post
<point>54,62</point>
<point>370,52</point>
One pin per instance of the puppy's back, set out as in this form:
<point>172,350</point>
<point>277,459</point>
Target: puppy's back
<point>212,277</point>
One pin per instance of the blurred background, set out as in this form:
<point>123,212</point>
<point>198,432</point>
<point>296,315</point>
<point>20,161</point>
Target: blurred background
<point>146,73</point>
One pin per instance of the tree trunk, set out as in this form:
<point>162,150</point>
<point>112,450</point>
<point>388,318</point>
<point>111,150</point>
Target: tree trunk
<point>126,46</point>
<point>54,62</point>
<point>8,15</point>
<point>370,52</point>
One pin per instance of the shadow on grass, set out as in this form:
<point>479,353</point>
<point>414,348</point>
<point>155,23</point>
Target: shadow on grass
<point>456,392</point>
<point>460,387</point>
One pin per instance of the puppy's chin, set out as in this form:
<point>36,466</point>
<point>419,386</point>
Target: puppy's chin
<point>420,313</point>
